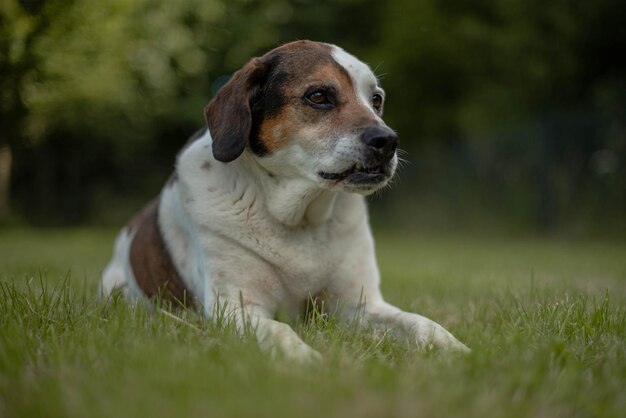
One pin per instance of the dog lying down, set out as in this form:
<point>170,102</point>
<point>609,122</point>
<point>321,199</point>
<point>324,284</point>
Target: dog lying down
<point>266,207</point>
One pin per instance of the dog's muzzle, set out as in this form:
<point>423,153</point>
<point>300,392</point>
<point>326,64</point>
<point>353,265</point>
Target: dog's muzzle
<point>375,166</point>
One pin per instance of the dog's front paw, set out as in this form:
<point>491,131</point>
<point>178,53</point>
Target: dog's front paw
<point>451,344</point>
<point>297,352</point>
<point>306,355</point>
<point>429,334</point>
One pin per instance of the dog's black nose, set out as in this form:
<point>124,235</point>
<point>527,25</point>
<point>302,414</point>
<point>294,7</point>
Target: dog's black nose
<point>380,138</point>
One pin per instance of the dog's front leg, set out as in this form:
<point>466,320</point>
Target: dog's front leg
<point>355,291</point>
<point>276,338</point>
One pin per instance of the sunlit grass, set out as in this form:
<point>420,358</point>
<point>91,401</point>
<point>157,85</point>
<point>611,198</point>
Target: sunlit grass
<point>545,319</point>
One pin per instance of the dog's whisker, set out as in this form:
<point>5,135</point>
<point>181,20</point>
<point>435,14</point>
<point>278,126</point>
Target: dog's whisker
<point>401,151</point>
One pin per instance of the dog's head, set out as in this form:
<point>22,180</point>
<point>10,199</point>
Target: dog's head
<point>307,109</point>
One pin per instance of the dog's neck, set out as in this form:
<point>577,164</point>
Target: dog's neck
<point>292,201</point>
<point>298,202</point>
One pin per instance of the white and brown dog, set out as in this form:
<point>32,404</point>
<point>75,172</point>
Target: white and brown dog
<point>266,208</point>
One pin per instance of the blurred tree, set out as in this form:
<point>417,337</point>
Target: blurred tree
<point>507,92</point>
<point>513,109</point>
<point>20,27</point>
<point>96,84</point>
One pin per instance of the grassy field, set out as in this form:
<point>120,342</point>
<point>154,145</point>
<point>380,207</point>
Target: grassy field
<point>545,319</point>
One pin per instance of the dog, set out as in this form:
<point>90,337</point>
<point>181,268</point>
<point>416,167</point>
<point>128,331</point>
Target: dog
<point>266,207</point>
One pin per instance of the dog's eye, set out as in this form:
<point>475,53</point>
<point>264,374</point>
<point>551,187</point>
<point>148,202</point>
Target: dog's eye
<point>318,97</point>
<point>377,102</point>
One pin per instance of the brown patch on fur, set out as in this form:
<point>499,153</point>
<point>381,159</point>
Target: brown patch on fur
<point>296,67</point>
<point>276,132</point>
<point>262,104</point>
<point>151,262</point>
<point>229,116</point>
<point>206,165</point>
<point>289,67</point>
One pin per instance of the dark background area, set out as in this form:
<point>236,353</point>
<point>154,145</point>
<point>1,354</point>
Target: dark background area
<point>512,113</point>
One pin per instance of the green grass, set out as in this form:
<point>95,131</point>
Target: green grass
<point>545,319</point>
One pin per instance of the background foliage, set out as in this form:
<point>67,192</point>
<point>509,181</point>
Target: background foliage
<point>513,113</point>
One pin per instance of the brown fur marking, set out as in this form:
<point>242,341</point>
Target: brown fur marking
<point>151,262</point>
<point>228,115</point>
<point>305,64</point>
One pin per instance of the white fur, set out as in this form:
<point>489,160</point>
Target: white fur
<point>363,78</point>
<point>269,232</point>
<point>118,274</point>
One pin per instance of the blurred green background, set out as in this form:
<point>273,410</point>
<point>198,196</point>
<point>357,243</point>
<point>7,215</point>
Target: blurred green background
<point>512,113</point>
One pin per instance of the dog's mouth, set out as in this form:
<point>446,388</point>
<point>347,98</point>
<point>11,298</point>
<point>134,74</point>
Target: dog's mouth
<point>359,174</point>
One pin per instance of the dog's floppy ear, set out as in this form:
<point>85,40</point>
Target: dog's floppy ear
<point>229,116</point>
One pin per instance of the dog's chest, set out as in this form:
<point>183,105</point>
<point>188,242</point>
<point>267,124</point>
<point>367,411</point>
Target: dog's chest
<point>311,255</point>
<point>225,232</point>
<point>302,259</point>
